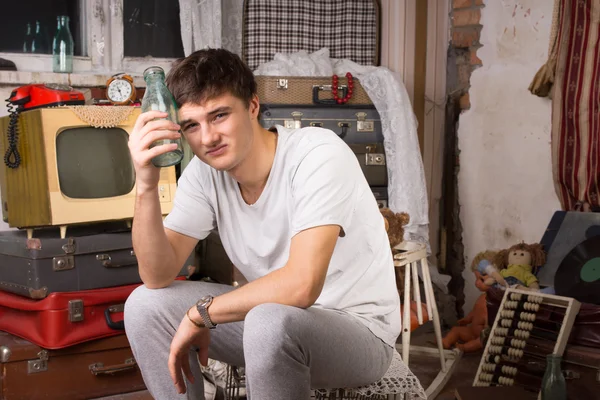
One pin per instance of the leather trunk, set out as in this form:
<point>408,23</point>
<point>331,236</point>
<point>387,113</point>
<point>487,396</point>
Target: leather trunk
<point>100,368</point>
<point>91,257</point>
<point>64,319</point>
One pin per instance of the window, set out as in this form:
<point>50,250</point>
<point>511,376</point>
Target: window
<point>152,30</point>
<point>110,35</point>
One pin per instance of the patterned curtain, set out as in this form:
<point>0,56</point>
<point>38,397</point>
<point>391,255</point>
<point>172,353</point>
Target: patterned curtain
<point>211,23</point>
<point>576,105</point>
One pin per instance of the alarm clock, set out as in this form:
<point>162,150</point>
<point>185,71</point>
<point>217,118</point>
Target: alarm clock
<point>120,89</point>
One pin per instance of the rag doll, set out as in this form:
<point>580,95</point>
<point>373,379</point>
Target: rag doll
<point>516,265</point>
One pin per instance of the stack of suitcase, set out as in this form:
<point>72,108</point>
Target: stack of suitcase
<point>61,313</point>
<point>296,102</point>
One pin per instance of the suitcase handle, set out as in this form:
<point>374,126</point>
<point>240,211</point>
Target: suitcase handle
<point>318,88</point>
<point>99,368</point>
<point>118,325</point>
<point>107,261</point>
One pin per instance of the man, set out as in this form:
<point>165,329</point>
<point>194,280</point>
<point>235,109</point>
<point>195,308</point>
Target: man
<point>297,218</point>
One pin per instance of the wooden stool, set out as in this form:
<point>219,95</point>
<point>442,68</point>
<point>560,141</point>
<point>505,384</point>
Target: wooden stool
<point>408,255</point>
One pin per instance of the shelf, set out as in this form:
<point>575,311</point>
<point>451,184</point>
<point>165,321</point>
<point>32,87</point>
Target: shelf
<point>18,78</point>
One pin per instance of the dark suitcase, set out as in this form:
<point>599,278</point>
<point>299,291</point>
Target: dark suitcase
<point>88,259</point>
<point>359,127</point>
<point>214,263</point>
<point>352,124</point>
<point>64,319</point>
<point>96,369</point>
<point>381,196</point>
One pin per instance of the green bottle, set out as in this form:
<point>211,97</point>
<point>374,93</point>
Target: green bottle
<point>27,40</point>
<point>62,46</point>
<point>38,41</point>
<point>157,97</point>
<point>554,386</point>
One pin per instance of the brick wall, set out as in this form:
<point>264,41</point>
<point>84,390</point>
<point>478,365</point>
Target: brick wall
<point>466,29</point>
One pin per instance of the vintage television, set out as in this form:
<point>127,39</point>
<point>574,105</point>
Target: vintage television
<point>70,172</point>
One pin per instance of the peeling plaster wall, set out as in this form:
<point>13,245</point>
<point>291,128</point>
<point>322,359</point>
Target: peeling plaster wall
<point>505,184</point>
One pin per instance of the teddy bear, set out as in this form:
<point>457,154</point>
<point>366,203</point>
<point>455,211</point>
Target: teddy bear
<point>516,264</point>
<point>394,225</point>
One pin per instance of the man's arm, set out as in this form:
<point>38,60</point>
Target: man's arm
<point>160,252</point>
<point>298,283</point>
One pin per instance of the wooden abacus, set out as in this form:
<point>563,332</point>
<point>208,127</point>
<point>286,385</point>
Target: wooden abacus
<point>527,325</point>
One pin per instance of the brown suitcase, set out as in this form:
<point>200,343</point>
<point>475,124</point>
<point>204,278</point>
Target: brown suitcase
<point>100,368</point>
<point>307,90</point>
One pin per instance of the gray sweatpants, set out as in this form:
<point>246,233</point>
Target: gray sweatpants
<point>286,350</point>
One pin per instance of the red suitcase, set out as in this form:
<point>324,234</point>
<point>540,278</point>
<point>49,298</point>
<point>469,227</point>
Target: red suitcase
<point>64,319</point>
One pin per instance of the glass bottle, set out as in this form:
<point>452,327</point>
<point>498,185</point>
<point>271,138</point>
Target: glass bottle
<point>554,386</point>
<point>38,41</point>
<point>27,40</point>
<point>62,46</point>
<point>157,97</point>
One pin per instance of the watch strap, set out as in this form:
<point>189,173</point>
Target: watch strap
<point>202,307</point>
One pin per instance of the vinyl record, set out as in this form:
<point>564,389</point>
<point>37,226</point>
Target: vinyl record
<point>578,275</point>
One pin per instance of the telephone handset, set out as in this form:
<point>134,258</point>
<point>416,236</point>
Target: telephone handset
<point>30,97</point>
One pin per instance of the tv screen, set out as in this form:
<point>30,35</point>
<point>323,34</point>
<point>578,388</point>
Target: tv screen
<point>94,163</point>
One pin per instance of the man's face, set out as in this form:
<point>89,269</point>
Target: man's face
<point>219,131</point>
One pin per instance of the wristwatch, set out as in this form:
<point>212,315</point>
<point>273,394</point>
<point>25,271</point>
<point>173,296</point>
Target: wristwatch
<point>202,307</point>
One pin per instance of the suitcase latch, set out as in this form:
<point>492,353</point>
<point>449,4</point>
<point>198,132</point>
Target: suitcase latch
<point>362,125</point>
<point>282,83</point>
<point>39,365</point>
<point>296,122</point>
<point>69,247</point>
<point>374,158</point>
<point>63,263</point>
<point>75,310</point>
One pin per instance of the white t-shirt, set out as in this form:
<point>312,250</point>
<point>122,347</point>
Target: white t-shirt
<point>315,180</point>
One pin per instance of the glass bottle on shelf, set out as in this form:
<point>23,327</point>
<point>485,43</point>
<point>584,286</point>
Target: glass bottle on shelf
<point>554,386</point>
<point>27,40</point>
<point>38,43</point>
<point>157,97</point>
<point>62,46</point>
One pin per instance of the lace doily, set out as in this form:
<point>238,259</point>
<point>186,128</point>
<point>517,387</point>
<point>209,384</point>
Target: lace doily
<point>102,116</point>
<point>397,380</point>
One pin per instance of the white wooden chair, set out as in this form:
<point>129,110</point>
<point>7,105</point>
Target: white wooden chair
<point>409,255</point>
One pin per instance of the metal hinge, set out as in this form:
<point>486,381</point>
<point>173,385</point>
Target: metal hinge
<point>76,310</point>
<point>39,365</point>
<point>296,122</point>
<point>362,125</point>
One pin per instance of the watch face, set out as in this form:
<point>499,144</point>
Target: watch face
<point>119,91</point>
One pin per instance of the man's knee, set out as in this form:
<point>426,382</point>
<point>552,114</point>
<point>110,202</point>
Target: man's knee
<point>270,325</point>
<point>142,308</point>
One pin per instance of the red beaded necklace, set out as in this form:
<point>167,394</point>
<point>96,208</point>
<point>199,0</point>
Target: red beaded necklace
<point>334,89</point>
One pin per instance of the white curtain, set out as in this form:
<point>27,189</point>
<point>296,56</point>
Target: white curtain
<point>211,23</point>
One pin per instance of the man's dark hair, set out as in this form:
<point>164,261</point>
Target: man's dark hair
<point>208,73</point>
